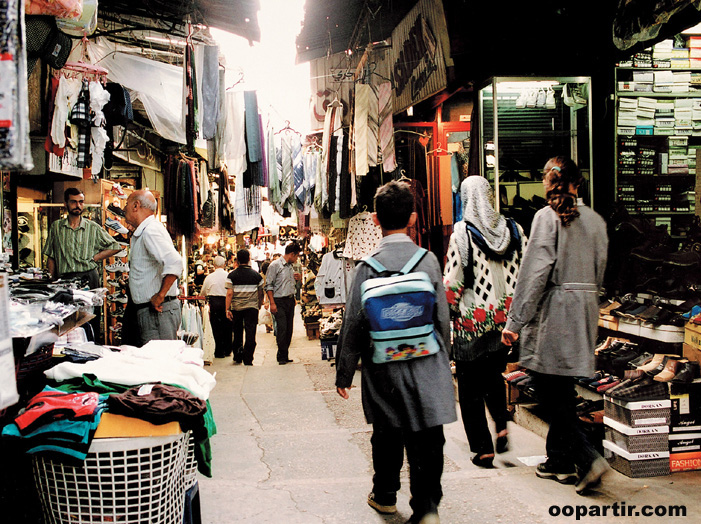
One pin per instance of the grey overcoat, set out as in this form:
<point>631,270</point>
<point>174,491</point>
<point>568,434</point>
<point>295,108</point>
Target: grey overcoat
<point>555,304</point>
<point>413,394</point>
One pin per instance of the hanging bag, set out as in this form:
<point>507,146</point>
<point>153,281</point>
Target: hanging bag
<point>400,309</point>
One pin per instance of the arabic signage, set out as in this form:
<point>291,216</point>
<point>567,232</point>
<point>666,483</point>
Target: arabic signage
<point>416,57</point>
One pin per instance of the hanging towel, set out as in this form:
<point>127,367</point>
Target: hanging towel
<point>253,144</point>
<point>273,173</point>
<point>384,93</point>
<point>210,91</point>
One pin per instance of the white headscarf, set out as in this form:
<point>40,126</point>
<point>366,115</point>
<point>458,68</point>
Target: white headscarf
<point>478,209</point>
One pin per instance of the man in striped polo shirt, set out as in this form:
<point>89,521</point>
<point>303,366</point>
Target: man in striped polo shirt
<point>75,246</point>
<point>244,297</point>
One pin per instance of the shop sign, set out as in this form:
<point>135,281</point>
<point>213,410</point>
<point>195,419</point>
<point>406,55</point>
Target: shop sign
<point>417,61</point>
<point>329,83</point>
<point>66,164</point>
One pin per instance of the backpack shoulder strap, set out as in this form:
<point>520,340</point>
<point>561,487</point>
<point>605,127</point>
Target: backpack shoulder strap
<point>373,263</point>
<point>414,261</point>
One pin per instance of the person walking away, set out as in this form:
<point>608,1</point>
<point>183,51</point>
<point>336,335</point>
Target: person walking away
<point>554,315</point>
<point>75,246</point>
<point>484,255</point>
<point>154,268</point>
<point>244,296</point>
<point>280,287</point>
<point>406,401</point>
<point>214,288</point>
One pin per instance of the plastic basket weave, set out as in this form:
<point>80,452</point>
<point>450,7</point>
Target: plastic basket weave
<point>190,463</point>
<point>127,480</point>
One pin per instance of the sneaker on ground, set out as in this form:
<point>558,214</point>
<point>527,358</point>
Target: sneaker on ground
<point>592,477</point>
<point>116,225</point>
<point>561,475</point>
<point>116,210</point>
<point>386,507</point>
<point>118,191</point>
<point>117,297</point>
<point>117,267</point>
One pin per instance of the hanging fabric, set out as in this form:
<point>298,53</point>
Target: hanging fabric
<point>15,145</point>
<point>384,93</point>
<point>210,91</point>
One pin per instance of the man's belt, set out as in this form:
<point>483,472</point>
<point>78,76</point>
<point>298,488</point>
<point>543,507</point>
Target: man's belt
<point>147,304</point>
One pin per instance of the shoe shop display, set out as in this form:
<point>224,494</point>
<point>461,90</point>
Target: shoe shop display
<point>117,267</point>
<point>116,210</point>
<point>118,191</point>
<point>116,225</point>
<point>117,297</point>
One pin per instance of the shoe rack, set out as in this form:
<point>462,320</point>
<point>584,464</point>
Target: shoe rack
<point>658,133</point>
<point>115,281</point>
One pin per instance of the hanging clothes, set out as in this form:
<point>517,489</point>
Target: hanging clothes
<point>364,236</point>
<point>247,205</point>
<point>234,145</point>
<point>210,91</point>
<point>274,193</point>
<point>330,283</point>
<point>332,128</point>
<point>384,96</point>
<point>312,175</point>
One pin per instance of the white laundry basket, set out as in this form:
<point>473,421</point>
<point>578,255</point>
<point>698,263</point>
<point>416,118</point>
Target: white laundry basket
<point>123,480</point>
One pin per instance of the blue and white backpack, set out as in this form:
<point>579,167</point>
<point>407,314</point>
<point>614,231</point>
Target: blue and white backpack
<point>400,311</point>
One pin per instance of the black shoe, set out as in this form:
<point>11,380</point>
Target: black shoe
<point>219,356</point>
<point>483,462</point>
<point>282,362</point>
<point>562,475</point>
<point>385,504</point>
<point>502,444</point>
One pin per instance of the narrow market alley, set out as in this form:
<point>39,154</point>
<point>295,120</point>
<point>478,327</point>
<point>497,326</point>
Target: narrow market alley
<point>290,450</point>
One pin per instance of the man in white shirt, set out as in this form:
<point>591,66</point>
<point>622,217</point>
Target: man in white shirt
<point>155,266</point>
<point>214,289</point>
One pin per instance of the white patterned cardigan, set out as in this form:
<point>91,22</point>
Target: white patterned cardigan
<point>484,306</point>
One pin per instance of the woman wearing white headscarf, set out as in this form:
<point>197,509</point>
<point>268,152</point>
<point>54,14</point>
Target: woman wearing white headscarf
<point>484,255</point>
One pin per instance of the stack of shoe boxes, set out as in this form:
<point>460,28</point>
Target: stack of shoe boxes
<point>662,54</point>
<point>695,51</point>
<point>637,433</point>
<point>685,427</point>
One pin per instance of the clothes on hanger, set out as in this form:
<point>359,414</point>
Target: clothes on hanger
<point>363,238</point>
<point>331,279</point>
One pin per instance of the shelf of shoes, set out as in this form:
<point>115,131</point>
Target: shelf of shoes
<point>116,268</point>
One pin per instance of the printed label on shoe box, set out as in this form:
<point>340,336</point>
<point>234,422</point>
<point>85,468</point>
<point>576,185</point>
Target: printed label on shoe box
<point>681,442</point>
<point>628,430</point>
<point>685,461</point>
<point>692,336</point>
<point>650,455</point>
<point>641,404</point>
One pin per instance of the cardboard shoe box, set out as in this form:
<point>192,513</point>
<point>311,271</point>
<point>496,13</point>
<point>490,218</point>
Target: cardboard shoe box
<point>637,465</point>
<point>637,440</point>
<point>638,413</point>
<point>685,413</point>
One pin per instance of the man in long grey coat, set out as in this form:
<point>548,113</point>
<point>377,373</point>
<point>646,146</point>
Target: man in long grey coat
<point>408,401</point>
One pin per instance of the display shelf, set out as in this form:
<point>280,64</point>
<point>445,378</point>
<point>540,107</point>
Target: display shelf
<point>656,145</point>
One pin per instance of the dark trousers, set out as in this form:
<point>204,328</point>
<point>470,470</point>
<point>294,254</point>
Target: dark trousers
<point>221,326</point>
<point>480,382</point>
<point>566,444</point>
<point>424,451</point>
<point>92,280</point>
<point>285,324</point>
<point>245,320</point>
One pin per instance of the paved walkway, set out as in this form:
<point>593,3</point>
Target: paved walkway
<point>289,450</point>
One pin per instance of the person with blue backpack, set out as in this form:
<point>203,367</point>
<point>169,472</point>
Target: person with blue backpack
<point>396,321</point>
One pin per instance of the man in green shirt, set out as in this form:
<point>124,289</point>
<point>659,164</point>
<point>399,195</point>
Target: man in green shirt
<point>76,245</point>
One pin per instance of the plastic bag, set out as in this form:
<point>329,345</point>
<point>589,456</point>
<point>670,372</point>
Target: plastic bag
<point>265,317</point>
<point>60,8</point>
